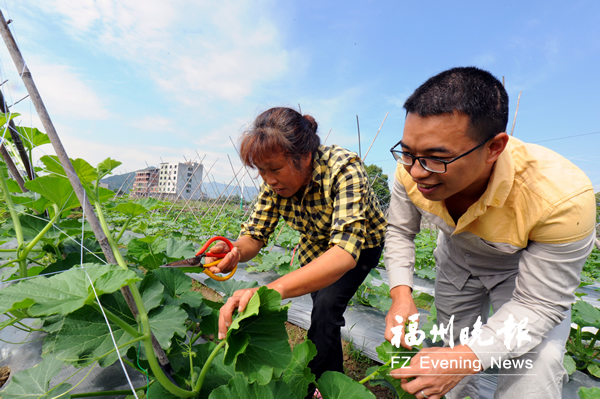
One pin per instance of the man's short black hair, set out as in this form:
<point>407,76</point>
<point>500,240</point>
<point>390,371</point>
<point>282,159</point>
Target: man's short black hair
<point>472,91</point>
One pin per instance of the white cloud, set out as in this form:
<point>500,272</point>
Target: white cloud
<point>65,92</point>
<point>195,50</point>
<point>154,124</point>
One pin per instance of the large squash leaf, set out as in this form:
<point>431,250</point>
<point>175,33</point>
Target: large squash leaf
<point>32,137</point>
<point>334,385</point>
<point>34,383</point>
<point>56,189</point>
<point>257,341</point>
<point>83,336</point>
<point>585,314</point>
<point>66,292</point>
<point>239,388</point>
<point>297,375</point>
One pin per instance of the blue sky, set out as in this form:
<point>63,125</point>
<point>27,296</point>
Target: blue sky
<point>143,80</point>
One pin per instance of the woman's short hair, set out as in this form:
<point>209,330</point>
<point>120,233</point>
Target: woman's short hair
<point>279,130</point>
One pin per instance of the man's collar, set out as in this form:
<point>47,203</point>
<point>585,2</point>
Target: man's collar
<point>501,180</point>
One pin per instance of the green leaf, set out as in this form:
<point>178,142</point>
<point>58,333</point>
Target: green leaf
<point>594,370</point>
<point>228,287</point>
<point>56,189</point>
<point>297,375</point>
<point>130,209</point>
<point>152,291</point>
<point>150,203</point>
<point>585,315</point>
<point>65,292</point>
<point>257,341</point>
<point>31,226</point>
<point>84,170</point>
<point>32,137</point>
<point>589,393</point>
<point>68,262</point>
<point>167,321</point>
<point>334,385</point>
<point>175,282</point>
<point>177,249</point>
<point>107,166</point>
<point>239,388</point>
<point>31,200</point>
<point>83,336</point>
<point>4,118</point>
<point>209,324</point>
<point>34,383</point>
<point>569,364</point>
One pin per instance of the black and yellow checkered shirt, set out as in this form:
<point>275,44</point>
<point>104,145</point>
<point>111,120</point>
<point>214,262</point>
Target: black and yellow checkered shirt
<point>338,208</point>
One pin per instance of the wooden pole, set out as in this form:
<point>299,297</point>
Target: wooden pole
<point>515,118</point>
<point>358,127</point>
<point>36,99</point>
<point>372,142</point>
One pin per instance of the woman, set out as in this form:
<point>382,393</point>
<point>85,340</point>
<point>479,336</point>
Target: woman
<point>324,193</point>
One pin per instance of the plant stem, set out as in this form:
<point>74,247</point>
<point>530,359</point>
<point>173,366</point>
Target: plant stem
<point>15,219</point>
<point>374,374</point>
<point>152,361</point>
<point>118,238</point>
<point>108,393</point>
<point>207,365</point>
<point>41,234</point>
<point>118,321</point>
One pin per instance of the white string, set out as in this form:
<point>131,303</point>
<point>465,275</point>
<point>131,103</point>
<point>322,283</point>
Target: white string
<point>112,336</point>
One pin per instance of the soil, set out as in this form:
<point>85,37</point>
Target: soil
<point>4,374</point>
<point>355,363</point>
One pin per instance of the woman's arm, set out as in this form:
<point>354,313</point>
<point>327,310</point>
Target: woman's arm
<point>320,273</point>
<point>244,249</point>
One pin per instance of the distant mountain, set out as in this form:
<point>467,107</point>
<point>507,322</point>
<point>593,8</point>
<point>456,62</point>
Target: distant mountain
<point>125,182</point>
<point>116,182</point>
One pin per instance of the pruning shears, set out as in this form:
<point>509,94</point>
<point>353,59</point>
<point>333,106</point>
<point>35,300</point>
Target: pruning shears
<point>194,263</point>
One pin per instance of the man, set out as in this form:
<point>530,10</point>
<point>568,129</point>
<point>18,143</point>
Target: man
<point>516,225</point>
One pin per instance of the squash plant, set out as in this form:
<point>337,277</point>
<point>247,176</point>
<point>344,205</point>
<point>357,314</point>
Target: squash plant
<point>79,302</point>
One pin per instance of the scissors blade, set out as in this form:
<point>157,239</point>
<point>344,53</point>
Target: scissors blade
<point>191,262</point>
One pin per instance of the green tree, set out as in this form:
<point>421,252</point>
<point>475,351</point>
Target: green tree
<point>379,182</point>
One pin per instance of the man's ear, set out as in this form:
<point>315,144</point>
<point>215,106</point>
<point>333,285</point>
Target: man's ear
<point>496,146</point>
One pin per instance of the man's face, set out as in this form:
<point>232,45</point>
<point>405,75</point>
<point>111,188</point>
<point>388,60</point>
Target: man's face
<point>445,137</point>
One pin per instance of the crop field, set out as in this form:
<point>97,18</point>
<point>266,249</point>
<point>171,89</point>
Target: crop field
<point>63,282</point>
<point>81,266</point>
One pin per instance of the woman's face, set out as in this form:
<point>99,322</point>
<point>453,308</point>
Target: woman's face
<point>279,172</point>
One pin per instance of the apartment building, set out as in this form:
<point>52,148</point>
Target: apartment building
<point>180,180</point>
<point>145,183</point>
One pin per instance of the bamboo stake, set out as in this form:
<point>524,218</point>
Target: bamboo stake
<point>358,127</point>
<point>327,137</point>
<point>372,142</point>
<point>515,118</point>
<point>40,108</point>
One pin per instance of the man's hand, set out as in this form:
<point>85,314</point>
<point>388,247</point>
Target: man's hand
<point>228,262</point>
<point>437,370</point>
<point>239,300</point>
<point>404,306</point>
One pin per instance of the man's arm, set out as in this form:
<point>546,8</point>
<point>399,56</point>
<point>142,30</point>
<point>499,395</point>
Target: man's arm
<point>404,222</point>
<point>545,286</point>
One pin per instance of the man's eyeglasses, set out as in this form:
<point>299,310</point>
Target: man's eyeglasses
<point>430,164</point>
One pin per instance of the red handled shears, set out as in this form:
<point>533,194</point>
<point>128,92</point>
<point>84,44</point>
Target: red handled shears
<point>194,263</point>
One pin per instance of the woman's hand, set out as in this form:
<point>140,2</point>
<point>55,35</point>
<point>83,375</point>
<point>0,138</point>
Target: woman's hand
<point>239,300</point>
<point>228,262</point>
